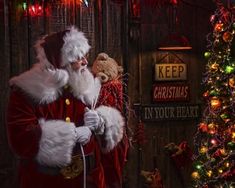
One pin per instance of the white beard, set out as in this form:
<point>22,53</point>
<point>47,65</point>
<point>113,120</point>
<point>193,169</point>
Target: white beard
<point>84,86</point>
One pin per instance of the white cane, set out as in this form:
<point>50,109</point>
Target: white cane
<point>84,166</point>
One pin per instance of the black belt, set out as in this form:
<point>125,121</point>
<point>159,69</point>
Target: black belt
<point>72,170</point>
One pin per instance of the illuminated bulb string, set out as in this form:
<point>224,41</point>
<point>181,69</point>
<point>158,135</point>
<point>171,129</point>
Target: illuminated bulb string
<point>215,165</point>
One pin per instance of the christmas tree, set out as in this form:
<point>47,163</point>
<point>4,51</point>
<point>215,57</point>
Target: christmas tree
<point>214,160</point>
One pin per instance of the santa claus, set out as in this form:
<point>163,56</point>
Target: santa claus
<point>54,126</point>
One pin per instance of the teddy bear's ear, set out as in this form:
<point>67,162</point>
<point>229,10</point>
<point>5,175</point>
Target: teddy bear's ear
<point>120,69</point>
<point>102,56</point>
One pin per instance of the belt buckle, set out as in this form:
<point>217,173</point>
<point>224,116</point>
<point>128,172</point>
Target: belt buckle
<point>74,169</point>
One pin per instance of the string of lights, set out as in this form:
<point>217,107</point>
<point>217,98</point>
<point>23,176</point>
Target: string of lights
<point>214,160</point>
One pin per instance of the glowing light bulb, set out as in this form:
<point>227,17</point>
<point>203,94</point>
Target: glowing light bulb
<point>209,173</point>
<point>213,141</point>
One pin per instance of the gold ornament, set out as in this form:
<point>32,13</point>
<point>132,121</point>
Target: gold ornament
<point>231,82</point>
<point>203,149</point>
<point>215,103</point>
<point>195,175</point>
<point>223,152</point>
<point>215,67</point>
<point>212,128</point>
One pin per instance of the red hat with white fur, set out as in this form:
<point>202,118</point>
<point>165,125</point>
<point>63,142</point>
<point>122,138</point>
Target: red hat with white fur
<point>62,48</point>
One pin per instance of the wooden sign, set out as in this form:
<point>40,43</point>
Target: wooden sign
<point>170,112</point>
<point>170,92</point>
<point>170,72</point>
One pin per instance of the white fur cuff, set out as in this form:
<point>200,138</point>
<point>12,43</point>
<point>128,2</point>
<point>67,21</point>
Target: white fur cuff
<point>56,143</point>
<point>114,125</point>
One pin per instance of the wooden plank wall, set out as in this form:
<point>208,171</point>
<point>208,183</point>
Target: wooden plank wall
<point>154,26</point>
<point>107,26</point>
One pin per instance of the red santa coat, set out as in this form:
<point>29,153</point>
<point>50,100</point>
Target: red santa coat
<point>27,134</point>
<point>113,162</point>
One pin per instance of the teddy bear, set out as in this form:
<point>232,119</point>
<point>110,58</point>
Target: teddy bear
<point>111,94</point>
<point>106,68</point>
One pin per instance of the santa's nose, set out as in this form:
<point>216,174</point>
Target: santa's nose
<point>84,61</point>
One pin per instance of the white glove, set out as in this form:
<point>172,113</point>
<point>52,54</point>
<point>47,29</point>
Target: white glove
<point>83,134</point>
<point>94,121</point>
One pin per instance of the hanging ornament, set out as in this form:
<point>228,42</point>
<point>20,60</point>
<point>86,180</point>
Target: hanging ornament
<point>225,117</point>
<point>207,55</point>
<point>231,145</point>
<point>214,93</point>
<point>223,152</point>
<point>203,149</point>
<point>212,128</point>
<point>219,27</point>
<point>215,103</point>
<point>195,175</point>
<point>231,82</point>
<point>229,69</point>
<point>214,67</point>
<point>227,36</point>
<point>203,127</point>
<point>139,136</point>
<point>233,135</point>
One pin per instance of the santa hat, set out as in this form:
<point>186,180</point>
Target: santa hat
<point>62,48</point>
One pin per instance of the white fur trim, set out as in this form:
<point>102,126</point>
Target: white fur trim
<point>56,143</point>
<point>114,125</point>
<point>75,46</point>
<point>43,85</point>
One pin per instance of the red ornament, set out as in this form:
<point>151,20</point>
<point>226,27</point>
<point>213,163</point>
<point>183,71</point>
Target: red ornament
<point>203,127</point>
<point>227,36</point>
<point>139,136</point>
<point>219,27</point>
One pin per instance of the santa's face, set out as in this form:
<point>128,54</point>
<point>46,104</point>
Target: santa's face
<point>80,77</point>
<point>79,63</point>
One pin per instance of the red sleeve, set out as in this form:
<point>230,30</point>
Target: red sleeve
<point>22,125</point>
<point>113,162</point>
<point>111,94</point>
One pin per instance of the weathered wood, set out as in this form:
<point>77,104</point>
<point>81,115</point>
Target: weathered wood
<point>103,23</point>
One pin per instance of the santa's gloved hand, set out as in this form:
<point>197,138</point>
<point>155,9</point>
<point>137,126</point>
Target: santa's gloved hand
<point>83,134</point>
<point>93,121</point>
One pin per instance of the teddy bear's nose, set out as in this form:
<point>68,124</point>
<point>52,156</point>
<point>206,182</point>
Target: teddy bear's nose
<point>103,77</point>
